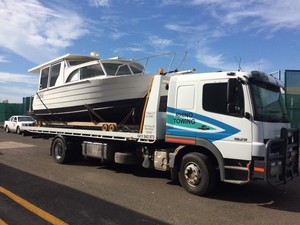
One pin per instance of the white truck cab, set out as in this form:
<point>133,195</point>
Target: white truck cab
<point>238,119</point>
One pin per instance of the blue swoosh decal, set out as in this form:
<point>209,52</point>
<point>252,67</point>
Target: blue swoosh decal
<point>185,123</point>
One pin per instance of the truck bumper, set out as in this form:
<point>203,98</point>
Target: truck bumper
<point>281,161</point>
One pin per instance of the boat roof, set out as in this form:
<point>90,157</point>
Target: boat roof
<point>64,57</point>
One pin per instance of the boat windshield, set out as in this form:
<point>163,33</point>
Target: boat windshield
<point>121,69</point>
<point>268,102</point>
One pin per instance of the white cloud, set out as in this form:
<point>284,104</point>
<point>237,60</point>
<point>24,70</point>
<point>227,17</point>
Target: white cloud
<point>274,14</point>
<point>2,59</point>
<point>99,3</point>
<point>186,28</point>
<point>117,35</point>
<point>128,49</point>
<point>229,17</point>
<point>15,94</point>
<point>218,61</point>
<point>36,32</point>
<point>18,78</point>
<point>159,43</point>
<point>268,15</point>
<point>16,86</point>
<point>213,60</point>
<point>17,91</point>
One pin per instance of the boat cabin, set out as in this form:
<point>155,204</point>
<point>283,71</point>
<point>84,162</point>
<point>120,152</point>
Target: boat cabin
<point>73,68</point>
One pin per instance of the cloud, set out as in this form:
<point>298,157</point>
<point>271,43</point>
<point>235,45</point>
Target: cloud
<point>17,91</point>
<point>99,3</point>
<point>268,15</point>
<point>18,78</point>
<point>226,18</point>
<point>257,13</point>
<point>128,49</point>
<point>15,94</point>
<point>35,32</point>
<point>3,60</point>
<point>186,28</point>
<point>210,58</point>
<point>159,43</point>
<point>16,86</point>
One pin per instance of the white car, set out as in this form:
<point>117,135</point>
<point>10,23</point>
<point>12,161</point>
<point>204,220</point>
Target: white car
<point>18,123</point>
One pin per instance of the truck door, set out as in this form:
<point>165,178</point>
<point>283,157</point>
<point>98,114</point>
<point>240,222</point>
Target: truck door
<point>224,120</point>
<point>181,122</point>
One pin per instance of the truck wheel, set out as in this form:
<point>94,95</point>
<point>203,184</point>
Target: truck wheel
<point>197,174</point>
<point>59,151</point>
<point>18,131</point>
<point>7,129</point>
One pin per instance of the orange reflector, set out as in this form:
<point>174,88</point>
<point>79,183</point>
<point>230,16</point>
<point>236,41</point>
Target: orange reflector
<point>183,141</point>
<point>258,169</point>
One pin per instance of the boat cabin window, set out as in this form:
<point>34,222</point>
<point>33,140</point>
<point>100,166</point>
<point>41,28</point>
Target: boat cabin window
<point>85,72</point>
<point>120,69</point>
<point>116,69</point>
<point>136,70</point>
<point>77,62</point>
<point>91,71</point>
<point>44,78</point>
<point>73,76</point>
<point>55,69</point>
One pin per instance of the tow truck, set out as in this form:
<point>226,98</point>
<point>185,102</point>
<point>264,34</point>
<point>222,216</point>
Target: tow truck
<point>201,127</point>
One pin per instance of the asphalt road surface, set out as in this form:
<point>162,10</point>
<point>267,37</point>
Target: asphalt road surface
<point>36,190</point>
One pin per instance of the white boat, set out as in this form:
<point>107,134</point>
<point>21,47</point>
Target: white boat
<point>87,88</point>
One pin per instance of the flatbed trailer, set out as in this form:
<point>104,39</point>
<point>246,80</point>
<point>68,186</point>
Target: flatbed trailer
<point>188,130</point>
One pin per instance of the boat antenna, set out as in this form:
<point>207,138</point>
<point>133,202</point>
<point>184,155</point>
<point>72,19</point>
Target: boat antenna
<point>182,61</point>
<point>238,63</point>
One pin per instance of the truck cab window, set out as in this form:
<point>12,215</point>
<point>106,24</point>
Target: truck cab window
<point>214,99</point>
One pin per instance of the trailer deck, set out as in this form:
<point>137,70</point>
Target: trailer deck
<point>88,133</point>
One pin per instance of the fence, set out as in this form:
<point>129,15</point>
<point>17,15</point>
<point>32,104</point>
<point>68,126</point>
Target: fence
<point>9,109</point>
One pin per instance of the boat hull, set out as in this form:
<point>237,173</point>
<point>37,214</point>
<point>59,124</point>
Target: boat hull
<point>113,98</point>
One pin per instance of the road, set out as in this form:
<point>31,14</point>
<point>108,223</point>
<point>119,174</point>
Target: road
<point>89,192</point>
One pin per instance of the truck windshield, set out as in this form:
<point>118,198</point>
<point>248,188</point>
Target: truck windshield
<point>268,102</point>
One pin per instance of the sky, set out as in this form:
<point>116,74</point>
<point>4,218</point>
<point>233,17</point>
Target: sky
<point>215,34</point>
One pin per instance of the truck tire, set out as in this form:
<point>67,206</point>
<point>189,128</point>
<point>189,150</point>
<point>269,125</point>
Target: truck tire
<point>7,129</point>
<point>59,151</point>
<point>197,174</point>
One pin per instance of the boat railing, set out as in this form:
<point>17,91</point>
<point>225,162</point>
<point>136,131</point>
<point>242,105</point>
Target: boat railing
<point>146,62</point>
<point>172,60</point>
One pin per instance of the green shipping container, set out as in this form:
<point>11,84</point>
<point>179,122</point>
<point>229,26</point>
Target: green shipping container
<point>292,96</point>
